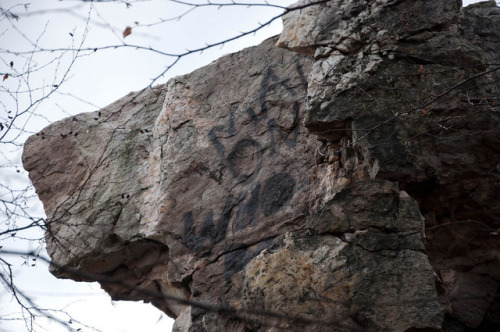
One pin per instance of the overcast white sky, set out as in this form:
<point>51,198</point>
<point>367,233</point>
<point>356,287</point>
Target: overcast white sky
<point>92,82</point>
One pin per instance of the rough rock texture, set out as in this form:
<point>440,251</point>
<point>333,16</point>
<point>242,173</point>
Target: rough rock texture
<point>424,79</point>
<point>197,176</point>
<point>349,184</point>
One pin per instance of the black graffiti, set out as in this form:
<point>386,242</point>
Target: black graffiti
<point>278,190</point>
<point>236,260</point>
<point>229,130</point>
<point>272,197</point>
<point>210,231</point>
<point>245,159</point>
<point>289,137</point>
<point>246,214</point>
<point>269,84</point>
<point>244,162</point>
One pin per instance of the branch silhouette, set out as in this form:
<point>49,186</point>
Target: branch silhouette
<point>17,214</point>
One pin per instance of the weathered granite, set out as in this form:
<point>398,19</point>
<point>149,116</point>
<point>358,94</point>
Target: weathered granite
<point>354,187</point>
<point>180,176</point>
<point>408,91</point>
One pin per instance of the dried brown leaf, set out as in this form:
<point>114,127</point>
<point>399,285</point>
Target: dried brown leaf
<point>127,31</point>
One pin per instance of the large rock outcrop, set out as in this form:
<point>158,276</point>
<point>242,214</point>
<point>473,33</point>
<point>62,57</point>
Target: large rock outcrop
<point>350,182</point>
<point>423,76</point>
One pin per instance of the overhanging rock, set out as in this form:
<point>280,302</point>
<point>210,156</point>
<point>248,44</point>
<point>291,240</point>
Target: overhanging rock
<point>209,197</point>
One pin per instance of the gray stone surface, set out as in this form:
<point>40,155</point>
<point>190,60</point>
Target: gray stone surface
<point>408,91</point>
<point>351,187</point>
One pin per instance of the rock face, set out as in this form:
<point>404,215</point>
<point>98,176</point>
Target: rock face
<point>348,183</point>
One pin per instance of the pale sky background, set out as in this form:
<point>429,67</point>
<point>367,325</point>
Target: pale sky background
<point>92,82</point>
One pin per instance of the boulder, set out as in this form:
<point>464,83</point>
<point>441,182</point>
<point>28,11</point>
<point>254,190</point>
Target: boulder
<point>345,181</point>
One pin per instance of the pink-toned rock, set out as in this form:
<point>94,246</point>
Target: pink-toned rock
<point>275,191</point>
<point>179,176</point>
